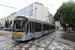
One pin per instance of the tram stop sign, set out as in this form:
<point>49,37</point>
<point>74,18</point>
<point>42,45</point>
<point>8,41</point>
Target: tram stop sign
<point>66,24</point>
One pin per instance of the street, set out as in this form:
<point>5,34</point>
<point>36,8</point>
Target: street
<point>6,32</point>
<point>47,42</point>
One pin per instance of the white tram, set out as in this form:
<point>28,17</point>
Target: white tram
<point>26,28</point>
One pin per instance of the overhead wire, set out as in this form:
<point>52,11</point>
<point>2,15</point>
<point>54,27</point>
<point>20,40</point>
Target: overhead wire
<point>26,1</point>
<point>50,6</point>
<point>8,6</point>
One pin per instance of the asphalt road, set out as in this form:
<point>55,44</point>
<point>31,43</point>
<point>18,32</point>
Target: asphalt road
<point>47,42</point>
<point>6,32</point>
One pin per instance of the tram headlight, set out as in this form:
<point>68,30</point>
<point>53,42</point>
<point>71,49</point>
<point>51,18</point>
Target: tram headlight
<point>23,34</point>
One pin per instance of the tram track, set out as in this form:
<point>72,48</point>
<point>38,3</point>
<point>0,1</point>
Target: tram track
<point>14,44</point>
<point>62,42</point>
<point>49,43</point>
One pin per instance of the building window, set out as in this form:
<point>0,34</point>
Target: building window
<point>25,9</point>
<point>31,13</point>
<point>30,7</point>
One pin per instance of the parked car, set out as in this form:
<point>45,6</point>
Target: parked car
<point>11,29</point>
<point>0,28</point>
<point>5,29</point>
<point>8,29</point>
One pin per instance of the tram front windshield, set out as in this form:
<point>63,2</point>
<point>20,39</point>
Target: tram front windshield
<point>19,26</point>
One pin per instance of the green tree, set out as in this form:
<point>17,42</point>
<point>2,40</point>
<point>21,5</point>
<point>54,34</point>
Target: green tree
<point>67,11</point>
<point>7,23</point>
<point>57,16</point>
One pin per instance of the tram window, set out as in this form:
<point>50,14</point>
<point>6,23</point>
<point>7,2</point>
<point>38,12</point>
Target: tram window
<point>44,27</point>
<point>37,27</point>
<point>32,27</point>
<point>47,27</point>
<point>54,27</point>
<point>26,20</point>
<point>23,25</point>
<point>27,28</point>
<point>51,26</point>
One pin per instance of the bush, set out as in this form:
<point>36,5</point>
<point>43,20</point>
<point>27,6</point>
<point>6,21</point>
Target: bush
<point>1,27</point>
<point>64,29</point>
<point>73,28</point>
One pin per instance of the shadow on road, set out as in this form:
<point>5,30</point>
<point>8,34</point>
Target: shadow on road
<point>69,36</point>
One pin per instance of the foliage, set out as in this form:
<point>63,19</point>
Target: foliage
<point>1,35</point>
<point>7,23</point>
<point>67,11</point>
<point>73,28</point>
<point>57,16</point>
<point>1,27</point>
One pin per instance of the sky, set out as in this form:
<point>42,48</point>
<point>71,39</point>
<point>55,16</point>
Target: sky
<point>19,4</point>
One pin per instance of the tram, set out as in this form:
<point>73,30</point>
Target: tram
<point>26,28</point>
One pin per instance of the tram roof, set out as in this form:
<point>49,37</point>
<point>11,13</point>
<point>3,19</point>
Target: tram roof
<point>32,18</point>
<point>37,19</point>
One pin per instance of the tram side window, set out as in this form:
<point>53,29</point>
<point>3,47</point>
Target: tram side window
<point>47,27</point>
<point>50,26</point>
<point>54,27</point>
<point>44,27</point>
<point>23,25</point>
<point>30,27</point>
<point>27,28</point>
<point>38,27</point>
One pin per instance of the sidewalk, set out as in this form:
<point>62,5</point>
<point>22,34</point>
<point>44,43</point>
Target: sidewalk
<point>59,35</point>
<point>2,34</point>
<point>5,37</point>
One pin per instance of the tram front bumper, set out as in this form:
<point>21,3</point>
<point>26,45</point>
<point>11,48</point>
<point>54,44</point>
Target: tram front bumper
<point>18,38</point>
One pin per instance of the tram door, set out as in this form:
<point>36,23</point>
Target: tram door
<point>38,30</point>
<point>32,29</point>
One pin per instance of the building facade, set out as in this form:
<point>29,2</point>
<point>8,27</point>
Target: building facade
<point>1,25</point>
<point>57,23</point>
<point>3,21</point>
<point>51,19</point>
<point>10,18</point>
<point>35,10</point>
